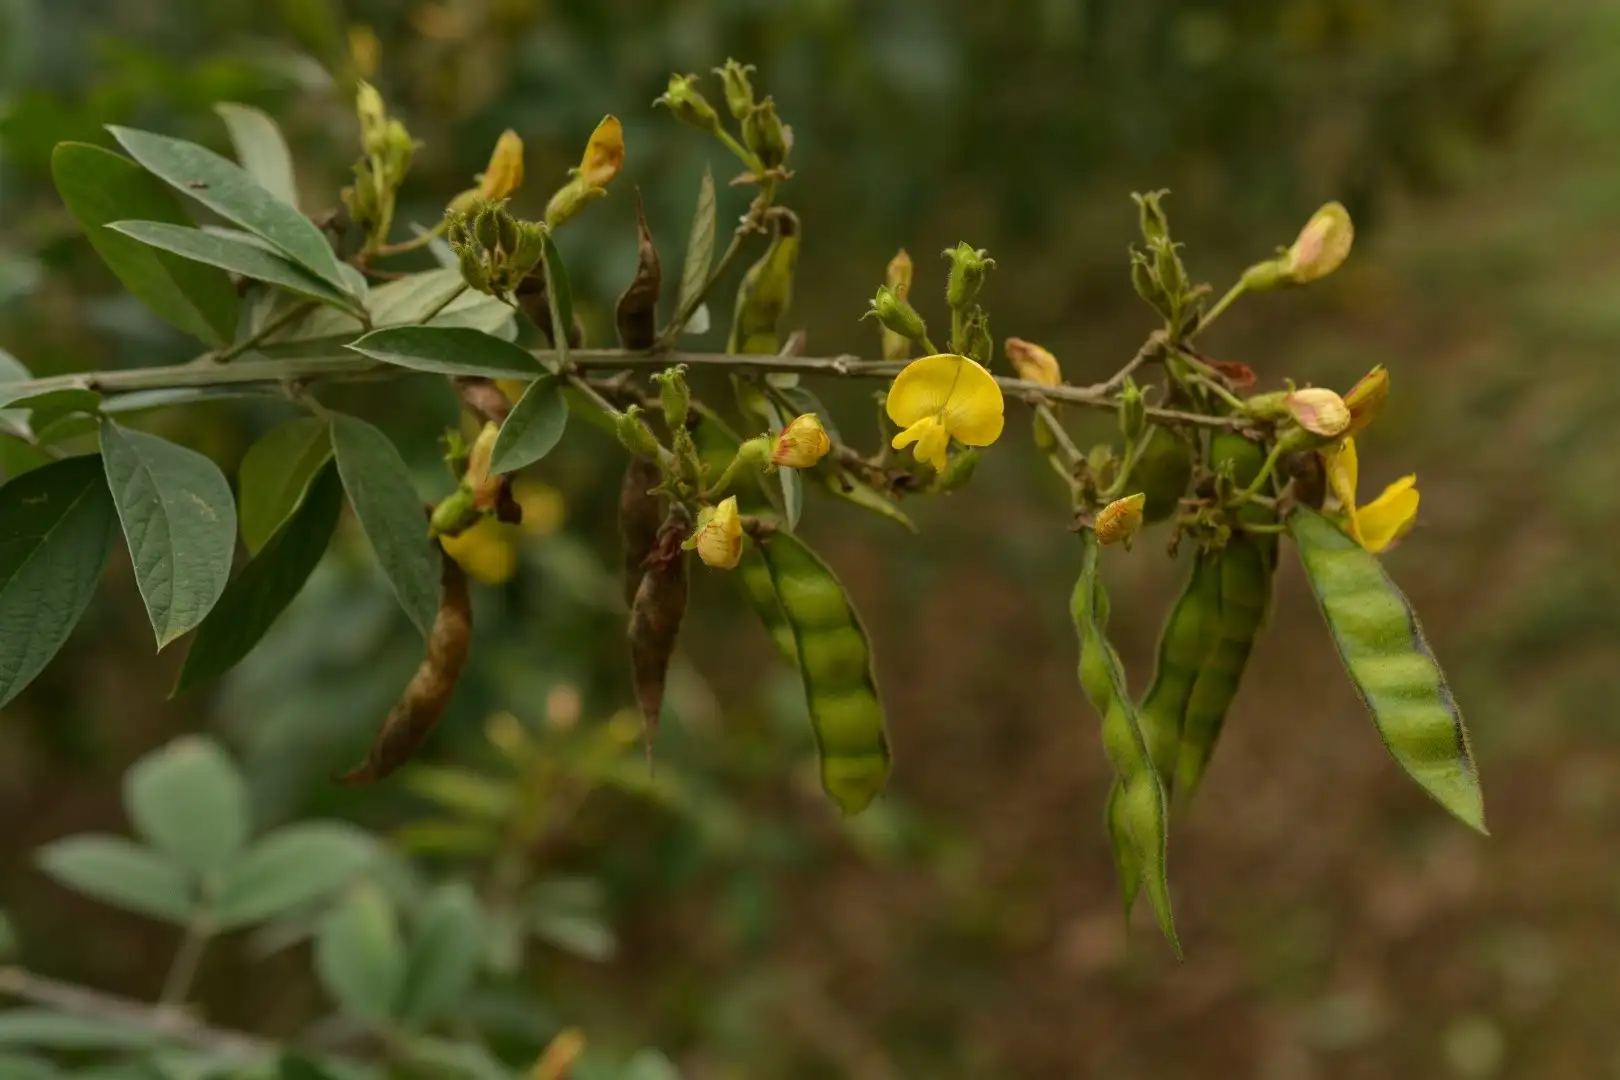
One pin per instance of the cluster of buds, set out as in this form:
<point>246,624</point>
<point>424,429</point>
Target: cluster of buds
<point>1157,273</point>
<point>970,324</point>
<point>387,149</point>
<point>766,141</point>
<point>496,251</point>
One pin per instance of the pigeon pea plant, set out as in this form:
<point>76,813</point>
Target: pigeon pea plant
<point>290,304</point>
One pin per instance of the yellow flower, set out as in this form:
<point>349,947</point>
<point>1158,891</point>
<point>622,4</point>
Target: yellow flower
<point>1319,411</point>
<point>1033,363</point>
<point>604,153</point>
<point>1378,524</point>
<point>1322,246</point>
<point>486,551</point>
<point>719,537</point>
<point>1366,399</point>
<point>1119,520</point>
<point>505,172</point>
<point>941,397</point>
<point>543,507</point>
<point>802,443</point>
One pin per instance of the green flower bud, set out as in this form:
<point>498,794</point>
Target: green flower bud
<point>487,226</point>
<point>507,232</point>
<point>968,269</point>
<point>528,250</point>
<point>455,515</point>
<point>1132,412</point>
<point>977,342</point>
<point>739,91</point>
<point>1147,284</point>
<point>895,313</point>
<point>1155,225</point>
<point>473,270</point>
<point>688,104</point>
<point>1266,276</point>
<point>1168,269</point>
<point>636,436</point>
<point>570,199</point>
<point>762,133</point>
<point>674,395</point>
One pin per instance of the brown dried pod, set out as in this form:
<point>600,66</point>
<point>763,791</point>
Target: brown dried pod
<point>655,617</point>
<point>640,515</point>
<point>421,706</point>
<point>637,314</point>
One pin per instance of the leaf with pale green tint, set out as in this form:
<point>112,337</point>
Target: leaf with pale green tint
<point>122,873</point>
<point>261,149</point>
<point>533,428</point>
<point>391,514</point>
<point>445,950</point>
<point>238,256</point>
<point>27,1067</point>
<point>407,301</point>
<point>559,295</point>
<point>290,867</point>
<point>52,1030</point>
<point>188,800</point>
<point>258,595</point>
<point>359,956</point>
<point>67,428</point>
<point>448,350</point>
<point>179,520</point>
<point>100,187</point>
<point>227,189</point>
<point>275,474</point>
<point>57,527</point>
<point>699,249</point>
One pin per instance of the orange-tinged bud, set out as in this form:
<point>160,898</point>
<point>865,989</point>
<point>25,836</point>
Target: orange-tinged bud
<point>559,1056</point>
<point>1319,411</point>
<point>604,153</point>
<point>478,480</point>
<point>1366,399</point>
<point>718,537</point>
<point>1119,520</point>
<point>1033,363</point>
<point>802,443</point>
<point>1323,244</point>
<point>505,172</point>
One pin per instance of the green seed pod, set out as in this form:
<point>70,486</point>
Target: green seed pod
<point>655,617</point>
<point>636,315</point>
<point>836,667</point>
<point>487,226</point>
<point>767,291</point>
<point>1185,644</point>
<point>1381,643</point>
<point>755,577</point>
<point>1143,811</point>
<point>1127,863</point>
<point>1162,471</point>
<point>640,514</point>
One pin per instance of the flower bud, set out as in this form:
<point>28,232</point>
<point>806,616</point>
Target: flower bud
<point>634,433</point>
<point>528,250</point>
<point>1266,276</point>
<point>504,173</point>
<point>473,271</point>
<point>398,150</point>
<point>968,268</point>
<point>894,313</point>
<point>802,443</point>
<point>976,340</point>
<point>486,226</point>
<point>506,234</point>
<point>1171,274</point>
<point>763,134</point>
<point>1132,412</point>
<point>688,104</point>
<point>1323,244</point>
<point>1366,399</point>
<point>454,515</point>
<point>1033,363</point>
<point>1155,225</point>
<point>674,395</point>
<point>718,538</point>
<point>604,153</point>
<point>569,200</point>
<point>373,116</point>
<point>1319,411</point>
<point>477,478</point>
<point>1118,521</point>
<point>897,346</point>
<point>739,91</point>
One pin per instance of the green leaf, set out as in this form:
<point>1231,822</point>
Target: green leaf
<point>444,954</point>
<point>51,404</point>
<point>1381,643</point>
<point>404,302</point>
<point>843,484</point>
<point>289,867</point>
<point>122,873</point>
<point>583,936</point>
<point>227,189</point>
<point>391,514</point>
<point>650,1065</point>
<point>359,956</point>
<point>49,1029</point>
<point>18,456</point>
<point>238,256</point>
<point>180,523</point>
<point>533,427</point>
<point>57,527</point>
<point>188,801</point>
<point>66,429</point>
<point>463,792</point>
<point>275,474</point>
<point>559,296</point>
<point>258,595</point>
<point>448,350</point>
<point>700,247</point>
<point>26,1067</point>
<point>100,187</point>
<point>262,149</point>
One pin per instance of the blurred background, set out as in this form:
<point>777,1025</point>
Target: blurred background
<point>1336,923</point>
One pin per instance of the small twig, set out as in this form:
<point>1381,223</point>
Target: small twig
<point>81,1001</point>
<point>259,336</point>
<point>1059,435</point>
<point>1151,348</point>
<point>183,970</point>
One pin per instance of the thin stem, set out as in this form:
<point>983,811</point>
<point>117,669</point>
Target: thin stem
<point>263,333</point>
<point>1220,306</point>
<point>1220,391</point>
<point>733,469</point>
<point>182,972</point>
<point>413,244</point>
<point>1059,436</point>
<point>928,346</point>
<point>1126,467</point>
<point>745,155</point>
<point>1151,348</point>
<point>1264,474</point>
<point>81,1001</point>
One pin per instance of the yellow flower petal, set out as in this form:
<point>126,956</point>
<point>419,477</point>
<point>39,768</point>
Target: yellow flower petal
<point>1342,468</point>
<point>604,153</point>
<point>1387,518</point>
<point>504,173</point>
<point>931,438</point>
<point>922,388</point>
<point>485,551</point>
